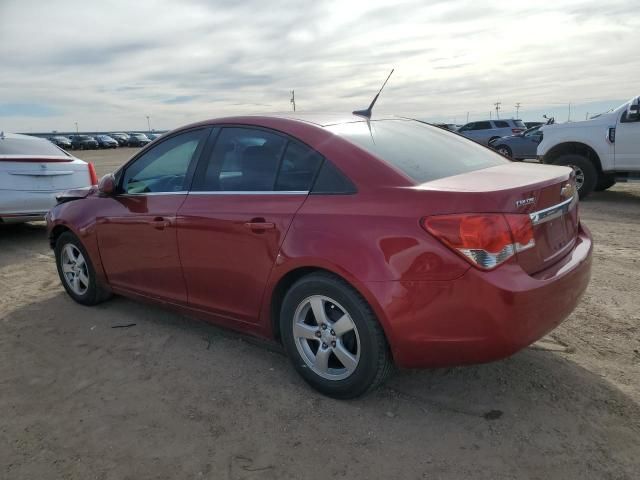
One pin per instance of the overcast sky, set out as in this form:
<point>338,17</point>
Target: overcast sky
<point>108,64</point>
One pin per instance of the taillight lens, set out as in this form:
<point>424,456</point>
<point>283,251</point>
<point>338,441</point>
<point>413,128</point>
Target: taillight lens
<point>484,240</point>
<point>516,130</point>
<point>93,177</point>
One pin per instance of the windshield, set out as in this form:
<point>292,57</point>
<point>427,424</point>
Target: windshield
<point>420,151</point>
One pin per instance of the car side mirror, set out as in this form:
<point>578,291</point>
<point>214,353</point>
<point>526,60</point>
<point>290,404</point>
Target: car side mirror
<point>107,184</point>
<point>633,111</point>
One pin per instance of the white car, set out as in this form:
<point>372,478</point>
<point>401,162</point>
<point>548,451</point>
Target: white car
<point>32,172</point>
<point>602,151</point>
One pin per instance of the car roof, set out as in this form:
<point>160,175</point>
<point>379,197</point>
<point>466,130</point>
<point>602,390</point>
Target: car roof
<point>321,119</point>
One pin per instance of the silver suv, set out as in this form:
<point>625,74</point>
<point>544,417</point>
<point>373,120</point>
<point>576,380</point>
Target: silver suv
<point>486,130</point>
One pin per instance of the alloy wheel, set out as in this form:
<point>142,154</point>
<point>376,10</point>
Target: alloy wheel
<point>326,337</point>
<point>74,269</point>
<point>579,176</point>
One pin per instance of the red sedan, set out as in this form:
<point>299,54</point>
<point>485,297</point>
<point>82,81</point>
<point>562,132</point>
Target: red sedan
<point>356,244</point>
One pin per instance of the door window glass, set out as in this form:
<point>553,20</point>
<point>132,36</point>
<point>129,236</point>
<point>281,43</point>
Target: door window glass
<point>481,126</point>
<point>164,167</point>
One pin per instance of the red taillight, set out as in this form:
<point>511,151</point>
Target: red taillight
<point>93,177</point>
<point>485,240</point>
<point>516,130</point>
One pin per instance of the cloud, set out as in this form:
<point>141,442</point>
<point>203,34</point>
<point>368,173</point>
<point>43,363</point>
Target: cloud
<point>27,110</point>
<point>107,65</point>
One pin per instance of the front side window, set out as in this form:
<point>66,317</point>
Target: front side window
<point>481,126</point>
<point>164,167</point>
<point>254,160</point>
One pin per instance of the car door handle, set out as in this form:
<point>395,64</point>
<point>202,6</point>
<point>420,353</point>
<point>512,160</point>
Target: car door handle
<point>160,223</point>
<point>259,225</point>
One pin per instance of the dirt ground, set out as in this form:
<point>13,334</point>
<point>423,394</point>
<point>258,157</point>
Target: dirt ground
<point>173,398</point>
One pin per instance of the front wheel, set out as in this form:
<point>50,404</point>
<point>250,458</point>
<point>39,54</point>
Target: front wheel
<point>76,271</point>
<point>504,151</point>
<point>333,338</point>
<point>585,171</point>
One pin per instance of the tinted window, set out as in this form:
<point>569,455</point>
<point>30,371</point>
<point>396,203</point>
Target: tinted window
<point>501,124</point>
<point>299,166</point>
<point>422,152</point>
<point>481,126</point>
<point>28,146</point>
<point>533,131</point>
<point>243,159</point>
<point>164,167</point>
<point>519,124</point>
<point>331,181</point>
<point>468,126</point>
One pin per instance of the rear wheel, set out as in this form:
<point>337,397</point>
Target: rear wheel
<point>605,182</point>
<point>333,338</point>
<point>76,271</point>
<point>504,151</point>
<point>586,173</point>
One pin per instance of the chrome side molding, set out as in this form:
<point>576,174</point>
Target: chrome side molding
<point>550,213</point>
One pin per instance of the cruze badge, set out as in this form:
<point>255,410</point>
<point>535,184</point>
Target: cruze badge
<point>525,201</point>
<point>566,191</point>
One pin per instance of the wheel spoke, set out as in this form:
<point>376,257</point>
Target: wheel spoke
<point>80,261</point>
<point>67,268</point>
<point>343,325</point>
<point>345,357</point>
<point>84,279</point>
<point>317,305</point>
<point>76,283</point>
<point>321,362</point>
<point>301,330</point>
<point>68,249</point>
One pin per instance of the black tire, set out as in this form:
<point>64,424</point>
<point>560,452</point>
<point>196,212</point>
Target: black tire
<point>605,182</point>
<point>507,151</point>
<point>94,293</point>
<point>583,167</point>
<point>374,364</point>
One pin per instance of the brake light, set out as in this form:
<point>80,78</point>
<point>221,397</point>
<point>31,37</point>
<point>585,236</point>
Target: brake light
<point>93,177</point>
<point>484,240</point>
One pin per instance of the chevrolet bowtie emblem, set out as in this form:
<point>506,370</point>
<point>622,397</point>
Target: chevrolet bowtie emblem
<point>566,191</point>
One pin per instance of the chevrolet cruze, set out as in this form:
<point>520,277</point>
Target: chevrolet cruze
<point>358,244</point>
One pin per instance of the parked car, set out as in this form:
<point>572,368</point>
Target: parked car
<point>32,172</point>
<point>486,130</point>
<point>447,126</point>
<point>83,142</point>
<point>533,124</point>
<point>356,244</point>
<point>121,138</point>
<point>153,136</point>
<point>602,150</point>
<point>60,141</point>
<point>520,146</point>
<point>138,140</point>
<point>105,141</point>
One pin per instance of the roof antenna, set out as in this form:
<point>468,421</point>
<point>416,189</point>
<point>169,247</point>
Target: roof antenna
<point>367,113</point>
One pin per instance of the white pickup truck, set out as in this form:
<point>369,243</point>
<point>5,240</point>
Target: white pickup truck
<point>602,151</point>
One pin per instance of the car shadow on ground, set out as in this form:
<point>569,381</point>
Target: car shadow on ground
<point>138,378</point>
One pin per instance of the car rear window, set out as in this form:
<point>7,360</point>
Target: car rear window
<point>519,124</point>
<point>420,151</point>
<point>29,146</point>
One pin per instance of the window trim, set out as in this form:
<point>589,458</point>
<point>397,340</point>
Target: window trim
<point>120,172</point>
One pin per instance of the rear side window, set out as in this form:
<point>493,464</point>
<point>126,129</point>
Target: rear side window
<point>501,124</point>
<point>255,160</point>
<point>29,146</point>
<point>331,181</point>
<point>420,151</point>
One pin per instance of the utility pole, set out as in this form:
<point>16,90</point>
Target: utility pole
<point>569,117</point>
<point>517,110</point>
<point>586,117</point>
<point>497,104</point>
<point>293,99</point>
<point>490,114</point>
<point>148,123</point>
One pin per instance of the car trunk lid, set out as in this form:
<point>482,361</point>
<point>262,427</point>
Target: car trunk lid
<point>545,193</point>
<point>42,173</point>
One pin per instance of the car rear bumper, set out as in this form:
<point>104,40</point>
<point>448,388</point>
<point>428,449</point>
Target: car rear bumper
<point>481,316</point>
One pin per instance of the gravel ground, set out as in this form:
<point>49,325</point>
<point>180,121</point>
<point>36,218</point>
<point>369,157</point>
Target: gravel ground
<point>174,398</point>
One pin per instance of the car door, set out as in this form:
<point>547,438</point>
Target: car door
<point>246,192</point>
<point>527,143</point>
<point>480,132</point>
<point>627,144</point>
<point>136,227</point>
